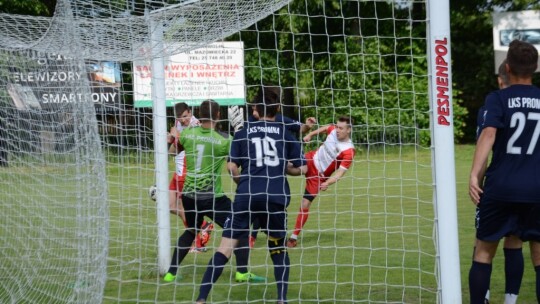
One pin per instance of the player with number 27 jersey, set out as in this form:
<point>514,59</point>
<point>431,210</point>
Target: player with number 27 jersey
<point>262,149</point>
<point>514,172</point>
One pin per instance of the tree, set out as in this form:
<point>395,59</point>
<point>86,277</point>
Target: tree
<point>472,51</point>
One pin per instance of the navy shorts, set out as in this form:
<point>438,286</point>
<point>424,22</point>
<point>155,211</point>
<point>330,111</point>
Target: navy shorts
<point>218,209</point>
<point>496,219</point>
<point>272,218</point>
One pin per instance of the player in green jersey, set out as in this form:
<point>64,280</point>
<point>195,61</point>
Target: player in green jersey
<point>206,150</point>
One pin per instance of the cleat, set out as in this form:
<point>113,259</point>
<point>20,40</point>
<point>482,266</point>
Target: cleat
<point>252,241</point>
<point>204,235</point>
<point>169,277</point>
<point>291,243</point>
<point>249,277</point>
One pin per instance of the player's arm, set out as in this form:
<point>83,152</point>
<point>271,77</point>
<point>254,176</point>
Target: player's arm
<point>172,140</point>
<point>334,178</point>
<point>320,130</point>
<point>481,154</point>
<point>310,122</point>
<point>295,171</point>
<point>234,171</point>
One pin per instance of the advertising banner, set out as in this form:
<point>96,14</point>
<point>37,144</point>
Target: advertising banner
<point>50,80</point>
<point>215,71</point>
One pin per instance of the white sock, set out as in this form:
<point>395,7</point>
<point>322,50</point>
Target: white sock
<point>510,298</point>
<point>487,295</point>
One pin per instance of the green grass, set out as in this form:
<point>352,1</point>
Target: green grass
<point>369,238</point>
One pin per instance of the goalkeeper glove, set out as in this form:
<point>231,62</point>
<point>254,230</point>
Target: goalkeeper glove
<point>236,117</point>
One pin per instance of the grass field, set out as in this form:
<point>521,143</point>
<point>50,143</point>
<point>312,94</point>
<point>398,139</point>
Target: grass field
<point>369,239</point>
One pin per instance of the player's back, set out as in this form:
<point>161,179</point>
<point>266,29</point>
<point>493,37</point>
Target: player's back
<point>514,172</point>
<point>263,150</point>
<point>206,151</point>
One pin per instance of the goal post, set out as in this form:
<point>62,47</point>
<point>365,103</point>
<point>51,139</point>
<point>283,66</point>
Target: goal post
<point>444,192</point>
<point>81,142</point>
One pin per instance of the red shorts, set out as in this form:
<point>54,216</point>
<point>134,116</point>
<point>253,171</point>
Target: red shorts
<point>313,178</point>
<point>177,183</point>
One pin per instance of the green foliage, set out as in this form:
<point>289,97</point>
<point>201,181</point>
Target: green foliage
<point>368,68</point>
<point>28,7</point>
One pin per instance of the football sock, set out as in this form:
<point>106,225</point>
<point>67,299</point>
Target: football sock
<point>510,298</point>
<point>212,273</point>
<point>479,279</point>
<point>513,269</point>
<point>537,270</point>
<point>280,258</point>
<point>181,250</point>
<point>242,255</point>
<point>301,220</point>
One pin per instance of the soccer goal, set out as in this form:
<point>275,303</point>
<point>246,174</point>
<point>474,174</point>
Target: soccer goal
<point>86,102</point>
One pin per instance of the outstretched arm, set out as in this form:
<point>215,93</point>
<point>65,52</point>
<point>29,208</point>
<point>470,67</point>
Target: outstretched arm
<point>295,171</point>
<point>310,122</point>
<point>333,179</point>
<point>322,129</point>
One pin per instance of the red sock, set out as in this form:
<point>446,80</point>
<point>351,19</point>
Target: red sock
<point>301,220</point>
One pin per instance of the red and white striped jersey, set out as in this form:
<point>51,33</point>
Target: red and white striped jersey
<point>333,154</point>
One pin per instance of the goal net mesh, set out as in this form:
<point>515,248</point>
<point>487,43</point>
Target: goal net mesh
<point>77,153</point>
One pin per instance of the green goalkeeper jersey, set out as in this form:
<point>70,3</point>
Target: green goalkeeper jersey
<point>206,150</point>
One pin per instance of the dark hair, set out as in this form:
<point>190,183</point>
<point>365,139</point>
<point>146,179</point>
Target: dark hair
<point>267,101</point>
<point>502,73</point>
<point>522,58</point>
<point>209,110</point>
<point>346,119</point>
<point>180,108</point>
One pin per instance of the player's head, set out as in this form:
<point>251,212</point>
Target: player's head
<point>267,101</point>
<point>182,113</point>
<point>209,110</point>
<point>502,77</point>
<point>522,58</point>
<point>344,128</point>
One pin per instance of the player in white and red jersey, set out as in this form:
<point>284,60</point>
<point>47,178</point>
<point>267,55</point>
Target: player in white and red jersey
<point>184,119</point>
<point>326,166</point>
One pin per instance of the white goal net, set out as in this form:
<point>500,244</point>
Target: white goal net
<point>77,146</point>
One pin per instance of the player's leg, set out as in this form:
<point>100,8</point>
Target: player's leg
<point>313,182</point>
<point>186,239</point>
<point>535,257</point>
<point>175,200</point>
<point>215,267</point>
<point>302,217</point>
<point>255,226</point>
<point>495,220</point>
<point>530,220</point>
<point>513,267</point>
<point>480,272</point>
<point>222,217</point>
<point>277,232</point>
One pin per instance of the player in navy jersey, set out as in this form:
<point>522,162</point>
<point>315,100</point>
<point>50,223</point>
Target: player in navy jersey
<point>294,126</point>
<point>509,201</point>
<point>513,253</point>
<point>265,151</point>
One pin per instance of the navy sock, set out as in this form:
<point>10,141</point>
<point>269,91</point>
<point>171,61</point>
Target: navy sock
<point>479,279</point>
<point>212,274</point>
<point>513,269</point>
<point>242,255</point>
<point>181,250</point>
